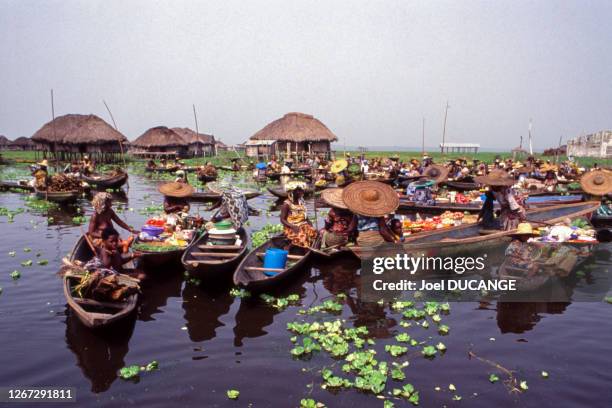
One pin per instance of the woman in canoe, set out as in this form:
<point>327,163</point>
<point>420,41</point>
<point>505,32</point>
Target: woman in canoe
<point>293,216</point>
<point>372,201</point>
<point>175,197</point>
<point>512,204</point>
<point>340,224</point>
<point>103,217</point>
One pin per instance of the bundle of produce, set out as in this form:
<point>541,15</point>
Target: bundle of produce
<point>578,231</point>
<point>99,286</point>
<point>157,246</point>
<point>62,182</point>
<point>267,232</point>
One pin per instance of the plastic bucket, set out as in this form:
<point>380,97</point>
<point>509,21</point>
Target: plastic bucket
<point>275,258</point>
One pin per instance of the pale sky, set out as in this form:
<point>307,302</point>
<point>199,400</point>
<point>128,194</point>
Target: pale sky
<point>370,70</point>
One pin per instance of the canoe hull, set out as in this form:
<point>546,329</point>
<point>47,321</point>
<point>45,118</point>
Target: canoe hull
<point>57,197</point>
<point>114,182</point>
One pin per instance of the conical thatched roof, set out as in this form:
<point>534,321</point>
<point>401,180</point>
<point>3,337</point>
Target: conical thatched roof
<point>4,141</point>
<point>74,129</point>
<point>296,127</point>
<point>159,136</point>
<point>190,136</point>
<point>22,141</point>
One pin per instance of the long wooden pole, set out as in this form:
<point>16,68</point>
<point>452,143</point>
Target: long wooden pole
<point>423,137</point>
<point>115,125</point>
<point>444,129</point>
<point>54,134</point>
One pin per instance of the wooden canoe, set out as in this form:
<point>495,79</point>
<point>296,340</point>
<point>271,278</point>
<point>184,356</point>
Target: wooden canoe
<point>214,264</point>
<point>171,169</point>
<point>532,202</point>
<point>280,192</point>
<point>15,185</point>
<point>469,236</point>
<point>214,196</point>
<point>461,185</point>
<point>206,178</point>
<point>250,273</point>
<point>103,181</point>
<point>57,196</point>
<point>92,313</point>
<point>160,260</point>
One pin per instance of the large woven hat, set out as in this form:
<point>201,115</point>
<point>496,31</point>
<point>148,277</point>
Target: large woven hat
<point>597,182</point>
<point>333,197</point>
<point>338,165</point>
<point>295,185</point>
<point>496,178</point>
<point>525,228</point>
<point>176,189</point>
<point>436,172</point>
<point>370,198</point>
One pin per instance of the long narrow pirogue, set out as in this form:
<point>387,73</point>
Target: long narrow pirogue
<point>250,273</point>
<point>92,313</point>
<point>214,263</point>
<point>468,237</point>
<point>104,181</point>
<point>57,196</point>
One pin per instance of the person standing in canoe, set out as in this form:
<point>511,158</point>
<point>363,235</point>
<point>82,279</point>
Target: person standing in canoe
<point>340,224</point>
<point>294,217</point>
<point>338,168</point>
<point>233,206</point>
<point>103,217</point>
<point>372,201</point>
<point>512,204</point>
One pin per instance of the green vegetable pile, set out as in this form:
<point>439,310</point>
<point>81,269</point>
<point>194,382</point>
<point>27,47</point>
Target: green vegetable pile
<point>267,232</point>
<point>145,247</point>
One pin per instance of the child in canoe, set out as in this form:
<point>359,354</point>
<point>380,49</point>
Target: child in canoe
<point>110,257</point>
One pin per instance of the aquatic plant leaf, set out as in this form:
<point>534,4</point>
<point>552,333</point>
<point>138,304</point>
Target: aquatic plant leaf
<point>233,394</point>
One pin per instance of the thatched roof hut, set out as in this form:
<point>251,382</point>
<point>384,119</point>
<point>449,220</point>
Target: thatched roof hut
<point>160,139</point>
<point>292,134</point>
<point>73,134</point>
<point>4,142</point>
<point>22,143</point>
<point>200,144</point>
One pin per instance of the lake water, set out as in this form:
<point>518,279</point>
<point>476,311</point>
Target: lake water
<point>207,342</point>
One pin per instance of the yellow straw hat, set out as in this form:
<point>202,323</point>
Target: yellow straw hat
<point>338,166</point>
<point>44,163</point>
<point>597,182</point>
<point>370,198</point>
<point>294,185</point>
<point>525,228</point>
<point>176,189</point>
<point>333,197</point>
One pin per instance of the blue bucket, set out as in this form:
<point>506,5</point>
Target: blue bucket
<point>275,258</point>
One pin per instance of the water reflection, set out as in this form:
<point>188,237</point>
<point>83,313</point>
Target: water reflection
<point>100,355</point>
<point>156,291</point>
<point>203,310</point>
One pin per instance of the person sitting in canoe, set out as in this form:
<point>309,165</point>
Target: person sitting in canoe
<point>339,168</point>
<point>512,204</point>
<point>550,178</point>
<point>175,197</point>
<point>87,167</point>
<point>235,164</point>
<point>209,170</point>
<point>371,201</point>
<point>103,217</point>
<point>181,177</point>
<point>151,165</point>
<point>111,255</point>
<point>397,229</point>
<point>233,206</point>
<point>41,175</point>
<point>293,216</point>
<point>340,224</point>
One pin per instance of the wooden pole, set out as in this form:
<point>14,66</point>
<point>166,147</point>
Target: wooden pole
<point>423,137</point>
<point>444,129</point>
<point>115,125</point>
<point>54,144</point>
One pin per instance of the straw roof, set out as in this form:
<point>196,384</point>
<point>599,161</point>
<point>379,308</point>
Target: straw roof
<point>22,141</point>
<point>159,136</point>
<point>75,129</point>
<point>4,141</point>
<point>296,127</point>
<point>191,137</point>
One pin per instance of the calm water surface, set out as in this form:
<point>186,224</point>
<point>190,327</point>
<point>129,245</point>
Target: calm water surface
<point>207,342</point>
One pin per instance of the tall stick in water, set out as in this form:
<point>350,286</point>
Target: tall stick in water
<point>444,129</point>
<point>54,145</point>
<point>423,141</point>
<point>115,125</point>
